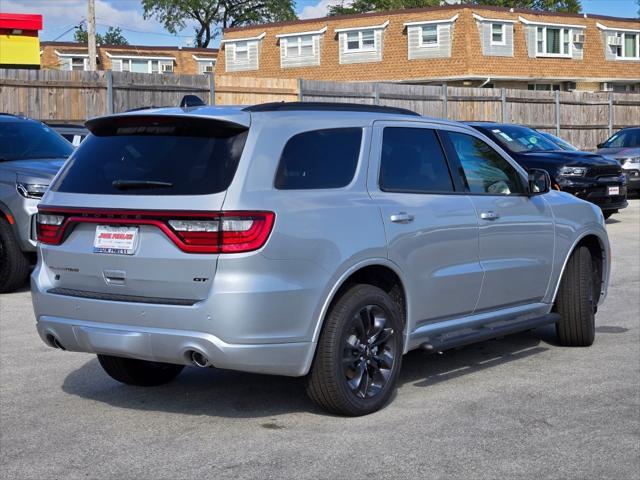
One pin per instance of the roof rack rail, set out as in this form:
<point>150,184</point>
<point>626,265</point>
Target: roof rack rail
<point>327,107</point>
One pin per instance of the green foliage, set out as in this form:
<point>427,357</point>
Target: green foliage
<point>113,36</point>
<point>363,6</point>
<point>211,16</point>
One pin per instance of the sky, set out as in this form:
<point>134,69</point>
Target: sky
<point>60,16</point>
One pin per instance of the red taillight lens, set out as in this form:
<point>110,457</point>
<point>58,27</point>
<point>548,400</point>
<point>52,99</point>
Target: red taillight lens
<point>49,228</point>
<point>230,232</point>
<point>192,232</point>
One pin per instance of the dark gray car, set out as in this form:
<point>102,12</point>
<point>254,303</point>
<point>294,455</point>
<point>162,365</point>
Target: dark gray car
<point>624,146</point>
<point>31,153</point>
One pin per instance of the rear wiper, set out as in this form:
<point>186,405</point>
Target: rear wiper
<point>133,184</point>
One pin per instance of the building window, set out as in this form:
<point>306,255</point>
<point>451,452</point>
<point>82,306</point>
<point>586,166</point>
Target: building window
<point>361,41</point>
<point>429,36</point>
<point>136,65</point>
<point>628,46</point>
<point>299,46</point>
<point>74,63</point>
<point>544,87</point>
<point>205,66</point>
<point>553,42</point>
<point>497,34</point>
<point>241,52</point>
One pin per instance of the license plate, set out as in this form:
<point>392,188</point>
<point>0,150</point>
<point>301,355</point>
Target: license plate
<point>115,240</point>
<point>614,190</point>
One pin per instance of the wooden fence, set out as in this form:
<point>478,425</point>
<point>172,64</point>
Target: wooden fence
<point>582,118</point>
<point>76,96</point>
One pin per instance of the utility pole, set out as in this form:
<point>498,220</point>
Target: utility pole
<point>91,34</point>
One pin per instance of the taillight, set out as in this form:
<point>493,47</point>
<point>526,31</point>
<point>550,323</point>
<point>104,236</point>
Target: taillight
<point>49,228</point>
<point>192,232</point>
<point>230,232</point>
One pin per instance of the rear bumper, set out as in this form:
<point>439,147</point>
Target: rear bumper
<point>175,346</point>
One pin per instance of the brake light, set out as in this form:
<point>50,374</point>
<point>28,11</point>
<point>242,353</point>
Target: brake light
<point>192,232</point>
<point>231,232</point>
<point>49,228</point>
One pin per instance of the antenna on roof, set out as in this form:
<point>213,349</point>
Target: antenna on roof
<point>191,101</point>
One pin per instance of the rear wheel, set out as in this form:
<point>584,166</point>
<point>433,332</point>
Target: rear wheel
<point>14,264</point>
<point>359,354</point>
<point>576,301</point>
<point>139,372</point>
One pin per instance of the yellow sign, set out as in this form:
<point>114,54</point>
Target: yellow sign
<point>19,50</point>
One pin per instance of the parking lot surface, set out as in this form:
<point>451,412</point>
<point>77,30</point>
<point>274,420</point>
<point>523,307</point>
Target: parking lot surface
<point>521,407</point>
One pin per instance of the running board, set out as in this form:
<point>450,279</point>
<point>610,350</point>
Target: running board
<point>486,332</point>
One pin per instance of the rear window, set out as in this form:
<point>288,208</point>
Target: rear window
<point>28,140</point>
<point>319,159</point>
<point>154,156</point>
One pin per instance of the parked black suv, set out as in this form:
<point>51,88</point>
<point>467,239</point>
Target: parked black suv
<point>589,176</point>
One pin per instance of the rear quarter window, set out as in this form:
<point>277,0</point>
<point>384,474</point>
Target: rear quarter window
<point>319,159</point>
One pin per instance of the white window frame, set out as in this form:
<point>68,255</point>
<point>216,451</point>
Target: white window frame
<point>204,62</point>
<point>564,31</point>
<point>360,30</point>
<point>424,44</point>
<point>127,59</point>
<point>242,47</point>
<point>621,50</point>
<point>288,43</point>
<point>74,56</point>
<point>503,33</point>
<point>361,47</point>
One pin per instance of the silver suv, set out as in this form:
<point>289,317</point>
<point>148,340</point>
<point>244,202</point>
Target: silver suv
<point>311,240</point>
<point>31,154</point>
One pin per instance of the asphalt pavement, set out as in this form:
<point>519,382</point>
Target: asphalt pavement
<point>518,407</point>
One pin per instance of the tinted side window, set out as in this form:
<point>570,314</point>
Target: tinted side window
<point>412,161</point>
<point>319,159</point>
<point>485,170</point>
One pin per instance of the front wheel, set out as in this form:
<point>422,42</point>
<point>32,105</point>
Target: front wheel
<point>139,372</point>
<point>14,264</point>
<point>576,301</point>
<point>359,353</point>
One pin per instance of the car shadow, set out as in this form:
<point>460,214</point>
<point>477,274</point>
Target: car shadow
<point>224,393</point>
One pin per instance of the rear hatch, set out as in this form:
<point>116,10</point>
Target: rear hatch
<point>135,213</point>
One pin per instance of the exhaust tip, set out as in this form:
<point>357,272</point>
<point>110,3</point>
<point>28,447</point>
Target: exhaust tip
<point>54,342</point>
<point>199,360</point>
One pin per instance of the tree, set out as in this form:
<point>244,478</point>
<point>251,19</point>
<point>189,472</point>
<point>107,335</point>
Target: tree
<point>212,16</point>
<point>569,6</point>
<point>362,6</point>
<point>113,36</point>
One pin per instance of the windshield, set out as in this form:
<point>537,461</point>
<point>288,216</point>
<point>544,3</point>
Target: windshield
<point>140,156</point>
<point>29,140</point>
<point>624,139</point>
<point>560,142</point>
<point>522,139</point>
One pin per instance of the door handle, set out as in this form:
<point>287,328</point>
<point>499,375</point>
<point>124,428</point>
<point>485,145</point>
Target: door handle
<point>402,217</point>
<point>489,215</point>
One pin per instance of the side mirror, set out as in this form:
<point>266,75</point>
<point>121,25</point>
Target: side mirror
<point>539,181</point>
<point>600,145</point>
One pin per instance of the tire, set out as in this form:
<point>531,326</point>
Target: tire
<point>139,372</point>
<point>359,354</point>
<point>14,263</point>
<point>607,215</point>
<point>576,301</point>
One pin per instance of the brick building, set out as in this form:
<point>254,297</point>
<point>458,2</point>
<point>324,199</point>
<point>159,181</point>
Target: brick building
<point>459,45</point>
<point>129,58</point>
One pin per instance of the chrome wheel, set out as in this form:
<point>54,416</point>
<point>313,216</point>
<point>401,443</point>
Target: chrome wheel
<point>369,352</point>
